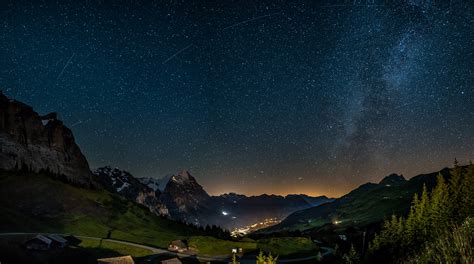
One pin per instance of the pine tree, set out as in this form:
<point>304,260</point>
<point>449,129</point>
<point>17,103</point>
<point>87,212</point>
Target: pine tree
<point>439,206</point>
<point>261,258</point>
<point>422,212</point>
<point>410,230</point>
<point>336,250</point>
<point>271,259</point>
<point>394,235</point>
<point>400,230</point>
<point>387,236</point>
<point>467,193</point>
<point>319,256</point>
<point>455,191</point>
<point>351,257</point>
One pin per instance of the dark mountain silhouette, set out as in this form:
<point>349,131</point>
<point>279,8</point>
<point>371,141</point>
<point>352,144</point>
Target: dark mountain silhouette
<point>31,142</point>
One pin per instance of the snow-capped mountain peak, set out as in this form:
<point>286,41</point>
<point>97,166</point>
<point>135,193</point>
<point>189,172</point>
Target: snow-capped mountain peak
<point>182,177</point>
<point>156,184</point>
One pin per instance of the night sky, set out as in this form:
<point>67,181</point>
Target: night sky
<point>251,96</point>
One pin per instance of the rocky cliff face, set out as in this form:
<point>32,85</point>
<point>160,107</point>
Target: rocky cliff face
<point>123,183</point>
<point>33,142</point>
<point>186,199</point>
<point>178,196</point>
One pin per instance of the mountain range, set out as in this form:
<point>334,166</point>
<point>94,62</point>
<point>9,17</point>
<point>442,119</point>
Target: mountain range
<point>34,143</point>
<point>180,197</point>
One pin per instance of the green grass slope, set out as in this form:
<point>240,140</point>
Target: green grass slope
<point>37,203</point>
<point>285,247</point>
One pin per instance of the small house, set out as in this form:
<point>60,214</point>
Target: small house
<point>38,242</point>
<point>72,240</point>
<point>58,241</point>
<point>171,261</point>
<point>116,260</point>
<point>178,246</point>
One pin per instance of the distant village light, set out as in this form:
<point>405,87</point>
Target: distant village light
<point>224,213</point>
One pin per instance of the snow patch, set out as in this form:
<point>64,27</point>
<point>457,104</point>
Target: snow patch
<point>125,185</point>
<point>46,121</point>
<point>156,184</point>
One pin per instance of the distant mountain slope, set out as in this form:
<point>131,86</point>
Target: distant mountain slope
<point>243,210</point>
<point>124,184</point>
<point>367,204</point>
<point>32,202</point>
<point>32,142</point>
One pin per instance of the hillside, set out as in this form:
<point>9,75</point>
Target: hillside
<point>33,202</point>
<point>369,203</point>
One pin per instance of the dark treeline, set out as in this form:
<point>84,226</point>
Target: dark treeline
<point>211,230</point>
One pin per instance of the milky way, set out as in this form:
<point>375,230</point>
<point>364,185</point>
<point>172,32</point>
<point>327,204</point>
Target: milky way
<point>275,97</point>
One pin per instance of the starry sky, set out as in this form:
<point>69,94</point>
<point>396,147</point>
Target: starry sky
<point>252,97</point>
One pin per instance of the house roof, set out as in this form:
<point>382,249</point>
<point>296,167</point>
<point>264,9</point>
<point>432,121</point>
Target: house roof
<point>72,239</point>
<point>171,261</point>
<point>179,243</point>
<point>42,239</point>
<point>116,260</point>
<point>58,238</point>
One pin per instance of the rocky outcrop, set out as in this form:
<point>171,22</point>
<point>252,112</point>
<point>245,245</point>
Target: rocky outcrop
<point>186,200</point>
<point>123,183</point>
<point>39,143</point>
<point>178,196</point>
<point>393,180</point>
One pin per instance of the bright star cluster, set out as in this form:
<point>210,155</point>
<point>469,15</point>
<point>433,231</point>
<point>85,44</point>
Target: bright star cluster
<point>280,97</point>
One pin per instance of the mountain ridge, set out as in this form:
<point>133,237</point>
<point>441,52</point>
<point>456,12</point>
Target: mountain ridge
<point>186,200</point>
<point>366,204</point>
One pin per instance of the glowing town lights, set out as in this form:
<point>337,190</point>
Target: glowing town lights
<point>237,232</point>
<point>336,222</point>
<point>224,213</point>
